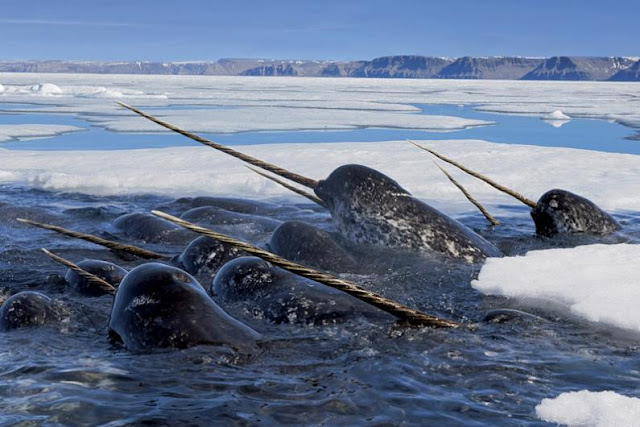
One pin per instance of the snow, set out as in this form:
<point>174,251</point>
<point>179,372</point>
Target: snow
<point>600,283</point>
<point>378,97</point>
<point>257,103</point>
<point>278,119</point>
<point>78,95</point>
<point>46,89</point>
<point>29,131</point>
<point>591,409</point>
<point>556,115</point>
<point>610,180</point>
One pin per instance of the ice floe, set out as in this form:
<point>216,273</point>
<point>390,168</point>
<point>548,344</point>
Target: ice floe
<point>87,93</point>
<point>591,409</point>
<point>278,119</point>
<point>30,131</point>
<point>46,89</point>
<point>610,180</point>
<point>600,283</point>
<point>556,119</point>
<point>556,115</point>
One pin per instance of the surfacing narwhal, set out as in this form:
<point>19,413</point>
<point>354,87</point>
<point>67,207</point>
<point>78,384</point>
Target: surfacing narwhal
<point>371,208</point>
<point>556,212</point>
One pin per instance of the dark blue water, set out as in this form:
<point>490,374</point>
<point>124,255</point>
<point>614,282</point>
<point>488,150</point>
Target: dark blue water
<point>349,374</point>
<point>590,134</point>
<point>352,373</point>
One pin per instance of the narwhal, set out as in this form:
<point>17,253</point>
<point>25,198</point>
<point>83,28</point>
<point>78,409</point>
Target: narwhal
<point>155,306</point>
<point>371,208</point>
<point>556,212</point>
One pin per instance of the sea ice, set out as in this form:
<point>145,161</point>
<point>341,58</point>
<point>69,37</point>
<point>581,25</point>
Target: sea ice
<point>556,115</point>
<point>46,89</point>
<point>600,283</point>
<point>86,94</point>
<point>29,131</point>
<point>610,180</point>
<point>590,409</point>
<point>557,119</point>
<point>278,119</point>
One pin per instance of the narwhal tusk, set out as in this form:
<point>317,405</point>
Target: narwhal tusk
<point>288,186</point>
<point>142,253</point>
<point>469,197</point>
<point>489,181</point>
<point>91,278</point>
<point>405,313</point>
<point>300,179</point>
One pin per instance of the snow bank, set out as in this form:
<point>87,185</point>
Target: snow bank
<point>28,131</point>
<point>46,89</point>
<point>103,92</point>
<point>1,88</point>
<point>590,409</point>
<point>600,283</point>
<point>78,95</point>
<point>610,180</point>
<point>556,115</point>
<point>557,119</point>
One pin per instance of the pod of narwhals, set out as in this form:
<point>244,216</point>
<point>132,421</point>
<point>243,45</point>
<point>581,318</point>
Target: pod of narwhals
<point>378,227</point>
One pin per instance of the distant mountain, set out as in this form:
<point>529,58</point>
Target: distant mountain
<point>399,66</point>
<point>271,70</point>
<point>507,68</point>
<point>631,74</point>
<point>133,67</point>
<point>578,68</point>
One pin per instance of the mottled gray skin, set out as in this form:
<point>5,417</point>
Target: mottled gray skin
<point>151,229</point>
<point>241,205</point>
<point>216,216</point>
<point>370,207</point>
<point>107,271</point>
<point>562,212</point>
<point>25,309</point>
<point>303,243</point>
<point>282,297</point>
<point>158,306</point>
<point>509,315</point>
<point>204,256</point>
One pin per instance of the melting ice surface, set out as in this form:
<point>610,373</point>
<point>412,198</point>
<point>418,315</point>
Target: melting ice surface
<point>357,373</point>
<point>600,283</point>
<point>510,129</point>
<point>591,409</point>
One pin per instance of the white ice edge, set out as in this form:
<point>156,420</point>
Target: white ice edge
<point>610,180</point>
<point>556,115</point>
<point>28,131</point>
<point>600,283</point>
<point>590,409</point>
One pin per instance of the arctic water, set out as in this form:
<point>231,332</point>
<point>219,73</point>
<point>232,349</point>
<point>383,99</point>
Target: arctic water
<point>355,372</point>
<point>583,133</point>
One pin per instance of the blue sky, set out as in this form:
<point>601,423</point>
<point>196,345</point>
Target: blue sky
<point>321,29</point>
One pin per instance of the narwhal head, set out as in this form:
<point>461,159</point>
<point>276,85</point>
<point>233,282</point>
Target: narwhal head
<point>560,211</point>
<point>352,186</point>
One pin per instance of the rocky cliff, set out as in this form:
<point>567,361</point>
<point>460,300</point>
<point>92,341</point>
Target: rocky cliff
<point>399,66</point>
